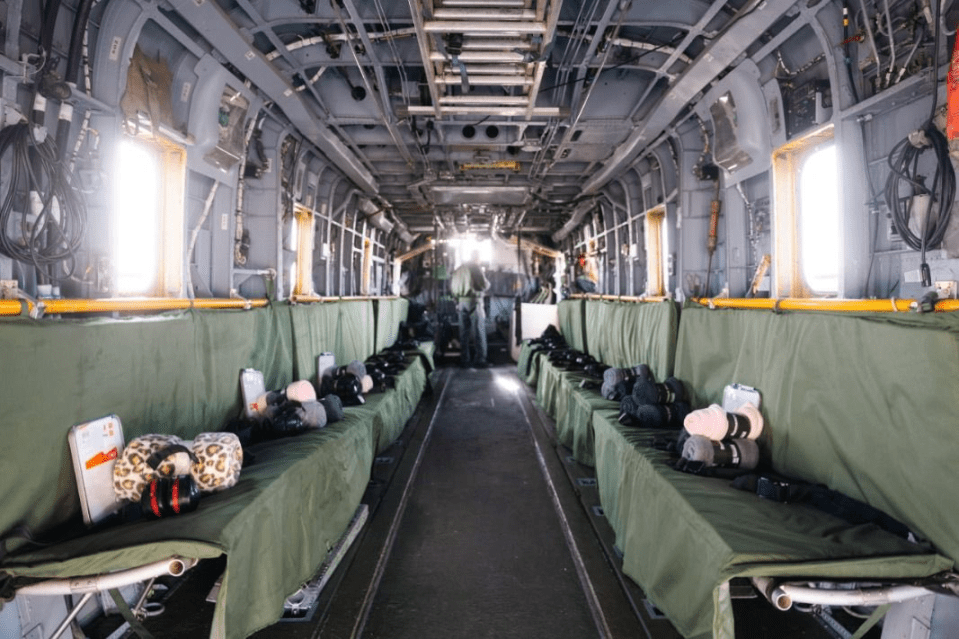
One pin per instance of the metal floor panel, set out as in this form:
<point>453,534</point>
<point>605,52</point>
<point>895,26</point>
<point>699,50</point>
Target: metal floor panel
<point>479,551</point>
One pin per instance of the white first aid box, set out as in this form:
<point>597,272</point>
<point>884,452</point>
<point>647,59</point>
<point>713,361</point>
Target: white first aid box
<point>95,446</point>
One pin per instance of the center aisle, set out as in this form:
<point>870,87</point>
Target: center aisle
<point>480,551</point>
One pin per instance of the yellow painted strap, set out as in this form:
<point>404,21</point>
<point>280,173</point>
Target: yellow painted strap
<point>834,305</point>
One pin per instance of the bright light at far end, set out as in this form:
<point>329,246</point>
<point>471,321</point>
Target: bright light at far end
<point>136,206</point>
<point>507,383</point>
<point>467,245</point>
<point>819,220</point>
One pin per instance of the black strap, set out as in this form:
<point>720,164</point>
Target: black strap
<point>128,615</point>
<point>157,458</point>
<point>786,490</point>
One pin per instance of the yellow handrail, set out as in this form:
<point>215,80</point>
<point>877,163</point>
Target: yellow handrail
<point>834,305</point>
<point>125,304</point>
<point>617,298</point>
<point>309,299</point>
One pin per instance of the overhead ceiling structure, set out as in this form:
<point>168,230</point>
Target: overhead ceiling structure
<point>482,114</point>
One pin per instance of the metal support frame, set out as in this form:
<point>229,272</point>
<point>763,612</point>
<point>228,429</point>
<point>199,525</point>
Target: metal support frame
<point>720,53</point>
<point>223,33</point>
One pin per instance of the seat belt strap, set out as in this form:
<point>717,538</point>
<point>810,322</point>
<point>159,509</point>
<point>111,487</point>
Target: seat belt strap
<point>128,615</point>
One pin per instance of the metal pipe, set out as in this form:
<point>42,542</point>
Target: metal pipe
<point>488,80</point>
<point>174,566</point>
<point>773,594</point>
<point>484,28</point>
<point>503,15</point>
<point>62,628</point>
<point>833,305</point>
<point>127,304</point>
<point>482,56</point>
<point>853,597</point>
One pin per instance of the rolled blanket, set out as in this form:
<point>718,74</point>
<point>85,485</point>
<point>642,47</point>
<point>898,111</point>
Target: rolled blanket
<point>301,391</point>
<point>613,376</point>
<point>717,424</point>
<point>642,371</point>
<point>357,367</point>
<point>662,415</point>
<point>334,408</point>
<point>646,391</point>
<point>732,453</point>
<point>313,414</point>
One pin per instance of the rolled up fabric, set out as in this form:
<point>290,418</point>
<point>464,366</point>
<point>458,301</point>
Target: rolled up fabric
<point>333,406</point>
<point>731,453</point>
<point>717,424</point>
<point>646,391</point>
<point>301,391</point>
<point>662,415</point>
<point>357,367</point>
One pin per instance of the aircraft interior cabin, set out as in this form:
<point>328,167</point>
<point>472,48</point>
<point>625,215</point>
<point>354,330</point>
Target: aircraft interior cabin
<point>442,319</point>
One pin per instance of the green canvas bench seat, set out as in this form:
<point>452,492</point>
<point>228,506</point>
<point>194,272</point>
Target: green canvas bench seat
<point>684,537</point>
<point>619,334</point>
<point>179,375</point>
<point>860,403</point>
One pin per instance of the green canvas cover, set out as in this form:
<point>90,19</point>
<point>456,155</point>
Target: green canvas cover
<point>276,526</point>
<point>574,427</point>
<point>548,388</point>
<point>388,412</point>
<point>571,323</point>
<point>865,404</point>
<point>684,536</point>
<point>624,334</point>
<point>175,373</point>
<point>178,374</point>
<point>355,336</point>
<point>314,331</point>
<point>528,365</point>
<point>389,314</point>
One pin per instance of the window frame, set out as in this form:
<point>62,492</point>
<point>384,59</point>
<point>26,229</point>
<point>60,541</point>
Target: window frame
<point>787,161</point>
<point>170,266</point>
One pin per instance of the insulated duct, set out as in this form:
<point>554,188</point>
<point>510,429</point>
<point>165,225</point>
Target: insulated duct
<point>575,219</point>
<point>375,215</point>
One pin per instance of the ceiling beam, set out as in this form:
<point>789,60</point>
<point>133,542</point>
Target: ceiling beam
<point>711,62</point>
<point>217,27</point>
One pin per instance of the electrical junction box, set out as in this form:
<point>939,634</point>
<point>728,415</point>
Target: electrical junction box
<point>231,121</point>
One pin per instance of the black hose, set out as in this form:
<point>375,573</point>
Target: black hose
<point>52,239</point>
<point>76,39</point>
<point>904,175</point>
<point>47,29</point>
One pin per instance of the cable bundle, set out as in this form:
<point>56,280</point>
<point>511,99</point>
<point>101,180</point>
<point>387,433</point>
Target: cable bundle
<point>38,176</point>
<point>903,164</point>
<point>904,167</point>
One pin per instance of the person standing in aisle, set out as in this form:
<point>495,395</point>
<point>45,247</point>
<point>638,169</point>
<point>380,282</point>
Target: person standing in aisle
<point>468,284</point>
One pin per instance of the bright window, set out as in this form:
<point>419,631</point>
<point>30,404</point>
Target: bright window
<point>654,232</point>
<point>137,198</point>
<point>819,220</point>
